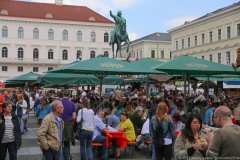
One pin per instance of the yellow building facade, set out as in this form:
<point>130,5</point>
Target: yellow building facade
<point>214,36</point>
<point>157,46</point>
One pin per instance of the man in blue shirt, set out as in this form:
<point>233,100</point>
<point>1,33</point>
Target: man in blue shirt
<point>208,119</point>
<point>98,130</point>
<point>68,115</point>
<point>173,107</point>
<point>112,120</point>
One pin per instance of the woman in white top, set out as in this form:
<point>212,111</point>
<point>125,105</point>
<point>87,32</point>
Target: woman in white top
<point>87,129</point>
<point>21,109</point>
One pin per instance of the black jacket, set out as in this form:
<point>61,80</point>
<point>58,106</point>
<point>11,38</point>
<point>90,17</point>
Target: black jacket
<point>17,131</point>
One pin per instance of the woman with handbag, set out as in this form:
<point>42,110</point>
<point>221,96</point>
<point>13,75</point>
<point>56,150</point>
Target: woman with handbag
<point>85,129</point>
<point>43,109</point>
<point>162,122</point>
<point>21,111</point>
<point>10,134</point>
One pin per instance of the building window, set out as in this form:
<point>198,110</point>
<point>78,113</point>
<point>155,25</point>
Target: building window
<point>210,37</point>
<point>152,53</point>
<point>228,58</point>
<point>20,32</point>
<point>162,54</point>
<point>65,54</point>
<point>20,69</point>
<point>93,36</point>
<point>202,38</point>
<point>176,45</point>
<point>188,42</point>
<point>92,54</point>
<point>79,36</point>
<point>79,54</point>
<point>50,68</point>
<point>20,54</point>
<point>228,32</point>
<point>195,40</point>
<point>210,57</point>
<point>35,69</point>
<point>4,31</point>
<point>35,34</point>
<point>50,54</point>
<point>4,52</point>
<point>106,54</point>
<point>182,43</point>
<point>4,68</point>
<point>35,54</point>
<point>105,37</point>
<point>238,29</point>
<point>219,34</point>
<point>65,35</point>
<point>202,57</point>
<point>50,34</point>
<point>219,58</point>
<point>170,54</point>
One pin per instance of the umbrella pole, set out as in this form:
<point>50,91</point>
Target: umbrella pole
<point>207,90</point>
<point>185,84</point>
<point>189,86</point>
<point>147,87</point>
<point>100,79</point>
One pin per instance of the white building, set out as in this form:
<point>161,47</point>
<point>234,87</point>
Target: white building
<point>40,36</point>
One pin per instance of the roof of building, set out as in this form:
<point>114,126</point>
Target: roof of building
<point>218,11</point>
<point>157,36</point>
<point>50,11</point>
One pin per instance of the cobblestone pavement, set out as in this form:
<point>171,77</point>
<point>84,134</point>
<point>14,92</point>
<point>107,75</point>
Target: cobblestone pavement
<point>31,151</point>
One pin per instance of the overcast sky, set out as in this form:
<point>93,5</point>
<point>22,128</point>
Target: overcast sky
<point>148,16</point>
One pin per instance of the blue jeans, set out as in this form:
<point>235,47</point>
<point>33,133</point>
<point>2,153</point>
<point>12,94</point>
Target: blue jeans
<point>66,150</point>
<point>144,137</point>
<point>102,139</point>
<point>85,138</point>
<point>153,151</point>
<point>21,123</point>
<point>50,154</point>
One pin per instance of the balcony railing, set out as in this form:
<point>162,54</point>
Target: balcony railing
<point>28,60</point>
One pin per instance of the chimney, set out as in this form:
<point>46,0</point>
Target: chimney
<point>59,2</point>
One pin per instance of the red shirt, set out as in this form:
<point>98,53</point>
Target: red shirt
<point>2,99</point>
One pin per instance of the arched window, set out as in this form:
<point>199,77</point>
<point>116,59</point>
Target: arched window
<point>106,54</point>
<point>79,36</point>
<point>20,32</point>
<point>65,54</point>
<point>50,34</point>
<point>4,31</point>
<point>65,35</point>
<point>79,54</point>
<point>105,37</point>
<point>20,54</point>
<point>93,36</point>
<point>35,34</point>
<point>35,54</point>
<point>92,54</point>
<point>50,54</point>
<point>4,52</point>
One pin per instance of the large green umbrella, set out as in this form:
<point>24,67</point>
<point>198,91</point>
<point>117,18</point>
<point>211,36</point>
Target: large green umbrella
<point>103,66</point>
<point>77,79</point>
<point>191,66</point>
<point>31,76</point>
<point>148,62</point>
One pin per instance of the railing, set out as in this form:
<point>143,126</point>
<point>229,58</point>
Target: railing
<point>28,60</point>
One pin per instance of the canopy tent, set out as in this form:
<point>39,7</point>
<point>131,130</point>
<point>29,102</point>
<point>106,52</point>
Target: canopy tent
<point>102,66</point>
<point>31,76</point>
<point>191,66</point>
<point>59,79</point>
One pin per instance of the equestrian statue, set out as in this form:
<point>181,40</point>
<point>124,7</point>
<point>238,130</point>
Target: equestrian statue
<point>119,34</point>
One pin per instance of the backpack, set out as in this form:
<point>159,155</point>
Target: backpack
<point>158,135</point>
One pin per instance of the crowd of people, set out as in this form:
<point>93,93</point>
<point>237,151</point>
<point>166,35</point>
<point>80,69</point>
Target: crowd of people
<point>69,115</point>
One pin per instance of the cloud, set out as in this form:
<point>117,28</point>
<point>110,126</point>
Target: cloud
<point>132,36</point>
<point>179,21</point>
<point>101,6</point>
